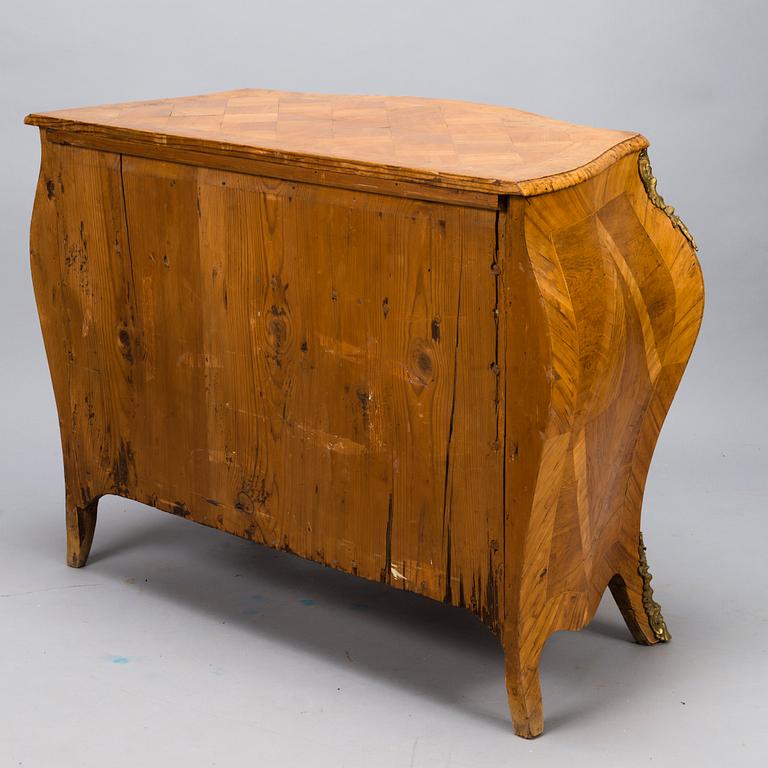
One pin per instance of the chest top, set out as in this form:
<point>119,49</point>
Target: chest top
<point>453,144</point>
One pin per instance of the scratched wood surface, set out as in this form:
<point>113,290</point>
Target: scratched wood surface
<point>283,361</point>
<point>454,392</point>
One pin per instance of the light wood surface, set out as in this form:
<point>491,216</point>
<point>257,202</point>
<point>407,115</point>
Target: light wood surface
<point>604,299</point>
<point>451,144</point>
<point>458,396</point>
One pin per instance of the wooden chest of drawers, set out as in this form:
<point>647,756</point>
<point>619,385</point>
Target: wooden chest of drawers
<point>425,342</point>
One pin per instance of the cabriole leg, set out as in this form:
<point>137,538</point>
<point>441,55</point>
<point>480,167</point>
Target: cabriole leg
<point>524,691</point>
<point>81,524</point>
<point>634,595</point>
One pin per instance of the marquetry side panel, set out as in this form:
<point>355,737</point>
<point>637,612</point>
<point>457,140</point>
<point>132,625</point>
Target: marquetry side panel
<point>312,368</point>
<point>612,298</point>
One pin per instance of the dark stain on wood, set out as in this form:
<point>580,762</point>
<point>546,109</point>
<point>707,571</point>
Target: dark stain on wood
<point>124,343</point>
<point>387,570</point>
<point>364,398</point>
<point>179,508</point>
<point>436,329</point>
<point>123,468</point>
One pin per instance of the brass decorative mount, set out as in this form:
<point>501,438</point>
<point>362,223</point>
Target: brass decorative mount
<point>649,182</point>
<point>652,608</point>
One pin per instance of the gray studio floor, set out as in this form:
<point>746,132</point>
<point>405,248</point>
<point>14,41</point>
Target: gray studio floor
<point>180,645</point>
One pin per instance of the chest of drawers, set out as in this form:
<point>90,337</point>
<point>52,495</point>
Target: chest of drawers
<point>426,342</point>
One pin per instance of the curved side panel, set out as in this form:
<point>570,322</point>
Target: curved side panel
<point>83,291</point>
<point>613,303</point>
<point>84,308</point>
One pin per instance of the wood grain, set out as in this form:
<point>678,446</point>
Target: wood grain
<point>604,300</point>
<point>453,395</point>
<point>332,341</point>
<point>439,142</point>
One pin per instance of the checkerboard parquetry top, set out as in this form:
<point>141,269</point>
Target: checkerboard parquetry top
<point>446,143</point>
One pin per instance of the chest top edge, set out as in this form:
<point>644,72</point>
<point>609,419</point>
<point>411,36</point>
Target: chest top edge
<point>453,145</point>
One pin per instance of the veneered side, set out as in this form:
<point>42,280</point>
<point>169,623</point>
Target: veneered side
<point>603,302</point>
